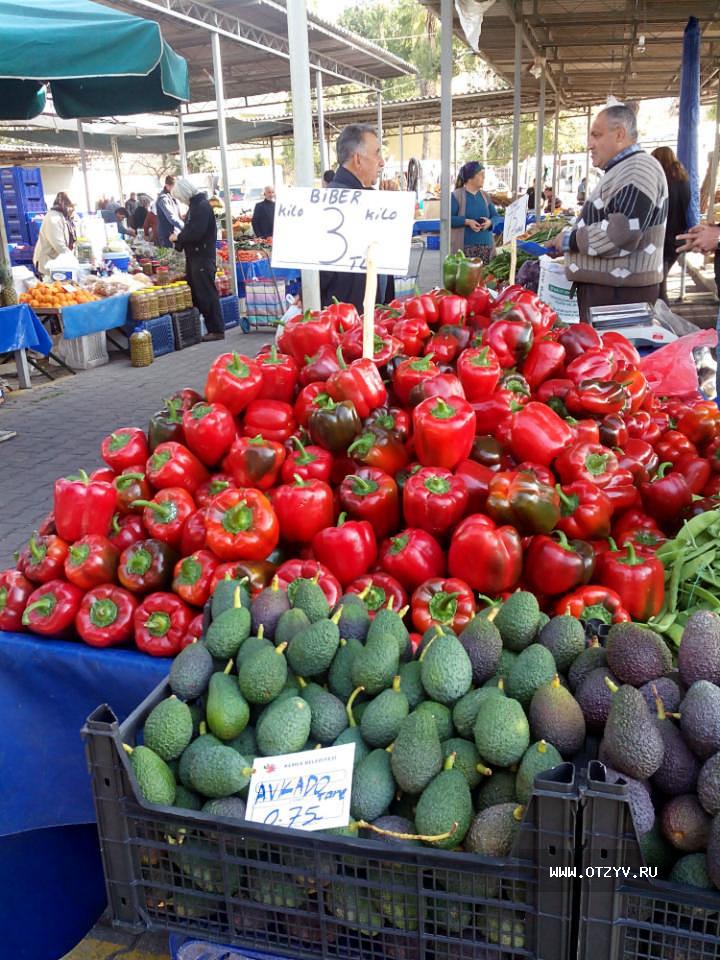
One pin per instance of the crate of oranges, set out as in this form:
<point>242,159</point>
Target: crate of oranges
<point>52,296</point>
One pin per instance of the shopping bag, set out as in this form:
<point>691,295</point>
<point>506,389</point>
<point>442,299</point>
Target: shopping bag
<point>671,371</point>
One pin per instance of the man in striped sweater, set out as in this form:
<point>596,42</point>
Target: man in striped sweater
<point>614,253</point>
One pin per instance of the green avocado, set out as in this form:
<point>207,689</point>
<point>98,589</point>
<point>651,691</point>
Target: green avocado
<point>168,728</point>
<point>154,778</point>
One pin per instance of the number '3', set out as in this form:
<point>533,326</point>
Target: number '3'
<point>335,232</point>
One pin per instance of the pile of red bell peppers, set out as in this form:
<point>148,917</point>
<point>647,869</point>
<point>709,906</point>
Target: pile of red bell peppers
<point>484,448</point>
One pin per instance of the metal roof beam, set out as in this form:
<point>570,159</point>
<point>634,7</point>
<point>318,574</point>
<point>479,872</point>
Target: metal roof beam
<point>233,28</point>
<point>531,44</point>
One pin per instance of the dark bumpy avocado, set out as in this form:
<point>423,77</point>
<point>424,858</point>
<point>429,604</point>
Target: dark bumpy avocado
<point>700,718</point>
<point>685,824</point>
<point>635,654</point>
<point>590,659</point>
<point>483,644</point>
<point>565,639</point>
<point>517,620</point>
<point>699,654</point>
<point>632,742</point>
<point>555,716</point>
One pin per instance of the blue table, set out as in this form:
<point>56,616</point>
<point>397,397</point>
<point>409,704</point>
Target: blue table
<point>425,226</point>
<point>20,330</point>
<point>49,852</point>
<point>94,317</point>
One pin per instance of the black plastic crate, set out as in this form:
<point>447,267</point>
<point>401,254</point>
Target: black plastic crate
<point>306,895</point>
<point>186,325</point>
<point>634,916</point>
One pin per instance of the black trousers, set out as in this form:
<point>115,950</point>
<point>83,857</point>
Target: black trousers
<point>599,295</point>
<point>201,277</point>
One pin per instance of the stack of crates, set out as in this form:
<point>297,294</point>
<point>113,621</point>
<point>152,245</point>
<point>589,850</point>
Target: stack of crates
<point>22,198</point>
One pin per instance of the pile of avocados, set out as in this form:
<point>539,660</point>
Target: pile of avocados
<point>448,736</point>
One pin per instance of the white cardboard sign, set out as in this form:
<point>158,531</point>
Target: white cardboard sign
<point>306,791</point>
<point>332,228</point>
<point>515,218</point>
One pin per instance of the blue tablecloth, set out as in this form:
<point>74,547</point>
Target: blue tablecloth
<point>425,226</point>
<point>83,318</point>
<point>20,329</point>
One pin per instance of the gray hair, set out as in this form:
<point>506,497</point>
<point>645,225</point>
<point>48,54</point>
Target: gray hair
<point>351,140</point>
<point>184,190</point>
<point>622,115</point>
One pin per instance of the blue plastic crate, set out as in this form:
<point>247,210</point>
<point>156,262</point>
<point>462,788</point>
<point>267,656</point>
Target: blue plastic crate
<point>230,307</point>
<point>433,242</point>
<point>162,333</point>
<point>182,947</point>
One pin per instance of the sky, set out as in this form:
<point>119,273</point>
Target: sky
<point>330,9</point>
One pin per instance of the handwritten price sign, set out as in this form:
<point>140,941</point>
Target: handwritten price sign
<point>306,791</point>
<point>331,229</point>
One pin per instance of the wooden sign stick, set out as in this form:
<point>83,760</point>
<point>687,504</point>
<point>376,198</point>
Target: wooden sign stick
<point>513,260</point>
<point>369,303</point>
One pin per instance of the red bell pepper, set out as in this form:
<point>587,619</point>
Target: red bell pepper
<point>305,333</point>
<point>620,347</point>
<point>185,398</point>
<point>452,309</point>
<point>666,497</point>
<point>477,313</point>
<point>635,386</point>
<point>584,431</point>
<point>194,631</point>
<point>303,508</point>
<point>510,339</point>
<point>489,452</point>
<point>307,461</point>
<point>255,462</point>
<point>554,390</point>
<point>700,424</point>
<point>91,562</point>
<point>194,532</point>
<point>348,550</point>
<point>579,338</point>
<point>613,432</point>
<point>493,416</point>
<point>15,589</point>
<point>447,602</point>
<point>671,445</point>
<point>538,434</point>
<point>130,486</point>
<point>312,397</point>
<point>310,570</point>
<point>51,609</point>
<point>585,511</point>
<point>476,478</point>
<point>360,383</point>
<point>161,622</point>
<point>586,461</point>
<point>434,500</point>
<point>334,426</point>
<point>712,455</point>
<point>409,373</point>
<point>165,516</point>
<point>371,494</point>
<point>279,376</point>
<point>234,380</point>
<point>591,365</point>
<point>172,465</point>
<point>320,366</point>
<point>517,303</point>
<point>423,306</point>
<point>445,385</point>
<point>545,361</point>
<point>391,420</point>
<point>412,332</point>
<point>443,431</point>
<point>479,372</point>
<point>343,315</point>
<point>380,591</point>
<point>639,580</point>
<point>146,565</point>
<point>211,488</point>
<point>411,557</point>
<point>254,574</point>
<point>442,347</point>
<point>209,431</point>
<point>377,448</point>
<point>621,491</point>
<point>106,616</point>
<point>271,419</point>
<point>522,499</point>
<point>628,523</point>
<point>241,525</point>
<point>555,565</point>
<point>642,426</point>
<point>43,558</point>
<point>82,506</point>
<point>596,398</point>
<point>593,603</point>
<point>166,425</point>
<point>696,471</point>
<point>106,474</point>
<point>487,557</point>
<point>192,577</point>
<point>126,530</point>
<point>385,347</point>
<point>124,448</point>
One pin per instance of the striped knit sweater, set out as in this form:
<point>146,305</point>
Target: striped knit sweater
<point>618,238</point>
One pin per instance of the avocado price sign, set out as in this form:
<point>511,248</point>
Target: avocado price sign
<point>332,228</point>
<point>306,791</point>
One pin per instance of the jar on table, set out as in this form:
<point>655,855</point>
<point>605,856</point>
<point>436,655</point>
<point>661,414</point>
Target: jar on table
<point>138,306</point>
<point>162,301</point>
<point>153,303</point>
<point>172,298</point>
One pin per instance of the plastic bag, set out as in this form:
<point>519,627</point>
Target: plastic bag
<point>671,370</point>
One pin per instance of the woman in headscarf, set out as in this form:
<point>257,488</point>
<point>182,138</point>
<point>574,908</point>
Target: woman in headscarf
<point>197,239</point>
<point>678,203</point>
<point>57,233</point>
<point>472,214</point>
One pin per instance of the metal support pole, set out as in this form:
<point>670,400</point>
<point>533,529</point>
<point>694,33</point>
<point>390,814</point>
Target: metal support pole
<point>302,123</point>
<point>403,185</point>
<point>587,153</point>
<point>379,117</point>
<point>321,123</point>
<point>83,164</point>
<point>181,143</point>
<point>556,133</point>
<point>118,171</point>
<point>517,103</point>
<point>446,41</point>
<point>454,153</point>
<point>539,141</point>
<point>222,137</point>
<point>714,162</point>
<point>272,161</point>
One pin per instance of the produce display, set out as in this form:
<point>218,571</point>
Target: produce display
<point>57,294</point>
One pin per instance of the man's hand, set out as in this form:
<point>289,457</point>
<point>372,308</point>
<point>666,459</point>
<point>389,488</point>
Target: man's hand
<point>703,238</point>
<point>556,242</point>
<point>173,237</point>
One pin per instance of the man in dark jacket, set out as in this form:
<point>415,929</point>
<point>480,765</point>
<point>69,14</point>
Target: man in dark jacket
<point>359,154</point>
<point>197,239</point>
<point>168,213</point>
<point>263,218</point>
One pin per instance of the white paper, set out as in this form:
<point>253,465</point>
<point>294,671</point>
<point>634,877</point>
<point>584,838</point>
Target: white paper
<point>331,229</point>
<point>515,218</point>
<point>305,791</point>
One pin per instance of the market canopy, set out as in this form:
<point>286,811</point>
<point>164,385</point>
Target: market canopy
<point>97,61</point>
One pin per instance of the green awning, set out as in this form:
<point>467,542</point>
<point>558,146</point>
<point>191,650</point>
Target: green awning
<point>97,61</point>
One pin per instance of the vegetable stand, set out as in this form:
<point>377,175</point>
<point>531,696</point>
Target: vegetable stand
<point>21,330</point>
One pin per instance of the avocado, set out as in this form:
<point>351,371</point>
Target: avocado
<point>501,731</point>
<point>373,786</point>
<point>154,778</point>
<point>445,808</point>
<point>505,930</point>
<point>197,712</point>
<point>441,716</point>
<point>187,799</point>
<point>534,667</point>
<point>679,770</point>
<point>538,758</point>
<point>685,823</point>
<point>467,760</point>
<point>411,682</point>
<point>226,709</point>
<point>592,657</point>
<point>168,728</point>
<point>376,664</point>
<point>507,659</point>
<point>273,891</point>
<point>517,620</point>
<point>595,697</point>
<point>190,671</point>
<point>493,830</point>
<point>691,871</point>
<point>262,676</point>
<point>353,735</point>
<point>283,727</point>
<point>656,851</point>
<point>668,691</point>
<point>499,788</point>
<point>555,716</point>
<point>352,905</point>
<point>245,743</point>
<point>482,643</point>
<point>632,742</point>
<point>219,772</point>
<point>312,649</point>
<point>565,639</point>
<point>252,646</point>
<point>465,710</point>
<point>639,800</point>
<point>231,807</point>
<point>417,754</point>
<point>197,858</point>
<point>229,629</point>
<point>202,742</point>
<point>700,718</point>
<point>392,825</point>
<point>708,785</point>
<point>307,595</point>
<point>699,654</point>
<point>446,671</point>
<point>267,608</point>
<point>435,630</point>
<point>384,715</point>
<point>290,623</point>
<point>635,654</point>
<point>340,673</point>
<point>329,717</point>
<point>388,623</point>
<point>223,597</point>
